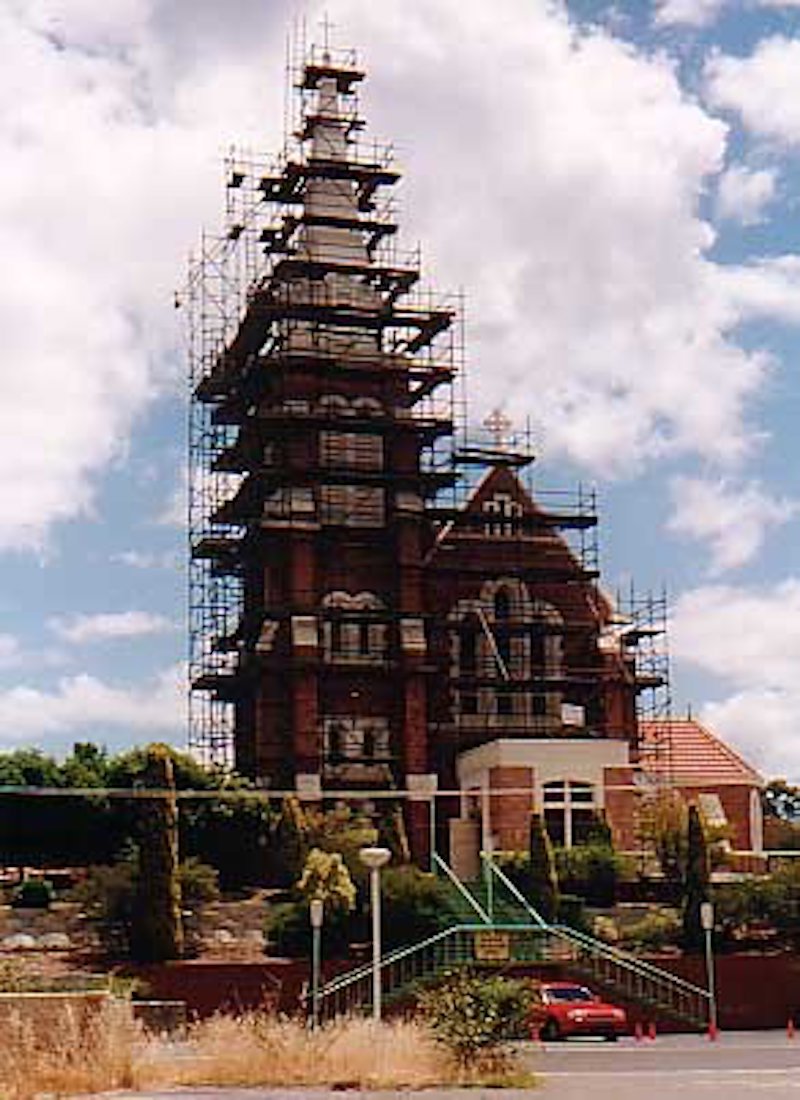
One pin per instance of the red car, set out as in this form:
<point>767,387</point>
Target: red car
<point>562,1009</point>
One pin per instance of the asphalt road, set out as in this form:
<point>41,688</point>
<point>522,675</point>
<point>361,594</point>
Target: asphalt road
<point>738,1066</point>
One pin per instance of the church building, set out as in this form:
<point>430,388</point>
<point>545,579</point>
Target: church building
<point>381,599</point>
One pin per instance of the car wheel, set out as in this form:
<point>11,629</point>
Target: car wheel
<point>612,1037</point>
<point>551,1032</point>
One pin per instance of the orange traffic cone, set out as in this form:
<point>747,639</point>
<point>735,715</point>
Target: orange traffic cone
<point>638,1031</point>
<point>790,1028</point>
<point>651,1030</point>
<point>713,1033</point>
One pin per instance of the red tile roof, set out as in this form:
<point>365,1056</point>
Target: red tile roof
<point>687,753</point>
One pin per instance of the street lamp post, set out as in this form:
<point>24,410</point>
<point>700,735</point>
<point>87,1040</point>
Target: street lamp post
<point>316,913</point>
<point>707,924</point>
<point>373,859</point>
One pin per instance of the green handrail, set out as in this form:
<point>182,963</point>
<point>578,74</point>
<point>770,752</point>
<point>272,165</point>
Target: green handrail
<point>517,894</point>
<point>605,950</point>
<point>440,864</point>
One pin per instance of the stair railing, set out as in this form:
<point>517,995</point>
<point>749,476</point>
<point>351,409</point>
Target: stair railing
<point>617,968</point>
<point>440,865</point>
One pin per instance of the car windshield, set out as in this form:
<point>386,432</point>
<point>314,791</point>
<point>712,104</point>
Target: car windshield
<point>568,993</point>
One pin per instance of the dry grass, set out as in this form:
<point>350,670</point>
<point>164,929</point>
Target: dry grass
<point>108,1050</point>
<point>75,1052</point>
<point>262,1050</point>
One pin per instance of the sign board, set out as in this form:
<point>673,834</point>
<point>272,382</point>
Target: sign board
<point>492,946</point>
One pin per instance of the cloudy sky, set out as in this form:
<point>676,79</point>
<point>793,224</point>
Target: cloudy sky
<point>615,186</point>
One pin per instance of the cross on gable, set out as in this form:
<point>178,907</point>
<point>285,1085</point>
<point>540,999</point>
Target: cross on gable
<point>499,426</point>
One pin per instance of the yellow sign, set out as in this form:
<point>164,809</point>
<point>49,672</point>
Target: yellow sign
<point>492,946</point>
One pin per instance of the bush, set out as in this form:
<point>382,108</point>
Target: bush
<point>571,912</point>
<point>415,905</point>
<point>543,887</point>
<point>36,893</point>
<point>325,877</point>
<point>109,895</point>
<point>475,1016</point>
<point>657,929</point>
<point>288,930</point>
<point>591,871</point>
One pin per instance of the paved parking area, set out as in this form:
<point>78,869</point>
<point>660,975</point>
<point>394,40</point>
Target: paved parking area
<point>738,1066</point>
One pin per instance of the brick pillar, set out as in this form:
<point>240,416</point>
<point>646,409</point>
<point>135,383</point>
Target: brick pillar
<point>415,758</point>
<point>301,573</point>
<point>305,722</point>
<point>510,813</point>
<point>415,725</point>
<point>621,807</point>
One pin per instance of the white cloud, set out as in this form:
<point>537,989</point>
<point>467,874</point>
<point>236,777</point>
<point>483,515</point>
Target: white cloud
<point>764,725</point>
<point>109,625</point>
<point>744,193</point>
<point>558,172</point>
<point>144,559</point>
<point>703,13</point>
<point>762,88</point>
<point>176,508</point>
<point>733,518</point>
<point>749,639</point>
<point>109,173</point>
<point>693,13</point>
<point>82,703</point>
<point>565,185</point>
<point>11,655</point>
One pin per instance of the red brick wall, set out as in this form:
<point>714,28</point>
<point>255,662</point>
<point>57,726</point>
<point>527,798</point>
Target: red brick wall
<point>621,806</point>
<point>510,813</point>
<point>736,804</point>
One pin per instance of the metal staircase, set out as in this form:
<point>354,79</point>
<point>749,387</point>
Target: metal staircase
<point>499,927</point>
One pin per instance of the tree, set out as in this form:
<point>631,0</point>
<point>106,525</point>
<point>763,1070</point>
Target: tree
<point>158,930</point>
<point>696,885</point>
<point>781,800</point>
<point>326,878</point>
<point>289,843</point>
<point>543,878</point>
<point>663,824</point>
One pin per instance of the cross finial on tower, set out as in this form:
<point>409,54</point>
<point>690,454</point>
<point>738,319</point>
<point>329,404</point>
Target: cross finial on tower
<point>327,26</point>
<point>499,426</point>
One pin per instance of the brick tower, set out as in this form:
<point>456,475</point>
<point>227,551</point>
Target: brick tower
<point>317,415</point>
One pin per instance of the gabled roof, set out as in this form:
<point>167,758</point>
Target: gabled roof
<point>502,479</point>
<point>690,755</point>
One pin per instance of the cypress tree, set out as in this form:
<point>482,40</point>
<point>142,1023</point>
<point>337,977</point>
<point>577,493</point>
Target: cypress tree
<point>157,933</point>
<point>696,882</point>
<point>544,893</point>
<point>290,842</point>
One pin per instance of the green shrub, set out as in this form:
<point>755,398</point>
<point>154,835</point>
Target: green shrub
<point>571,912</point>
<point>36,893</point>
<point>590,870</point>
<point>326,878</point>
<point>288,930</point>
<point>657,929</point>
<point>543,887</point>
<point>475,1016</point>
<point>415,905</point>
<point>109,895</point>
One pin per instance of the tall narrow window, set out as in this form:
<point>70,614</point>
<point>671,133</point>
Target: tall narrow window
<point>569,811</point>
<point>468,656</point>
